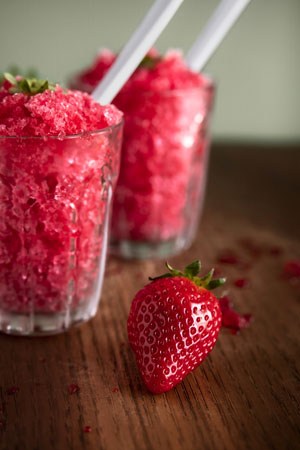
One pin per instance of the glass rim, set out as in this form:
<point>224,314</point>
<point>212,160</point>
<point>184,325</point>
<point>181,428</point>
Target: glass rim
<point>100,131</point>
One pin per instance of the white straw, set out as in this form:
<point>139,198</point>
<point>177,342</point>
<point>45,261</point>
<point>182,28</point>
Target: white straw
<point>136,48</point>
<point>223,18</point>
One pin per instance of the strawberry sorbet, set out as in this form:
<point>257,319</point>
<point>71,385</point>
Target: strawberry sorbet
<point>165,149</point>
<point>59,158</point>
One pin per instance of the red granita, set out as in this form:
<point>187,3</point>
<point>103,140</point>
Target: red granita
<point>53,113</point>
<point>59,157</point>
<point>232,319</point>
<point>89,78</point>
<point>160,189</point>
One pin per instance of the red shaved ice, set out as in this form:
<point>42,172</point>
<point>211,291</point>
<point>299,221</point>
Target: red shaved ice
<point>59,160</point>
<point>160,189</point>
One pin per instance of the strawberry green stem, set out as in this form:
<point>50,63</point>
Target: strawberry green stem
<point>191,272</point>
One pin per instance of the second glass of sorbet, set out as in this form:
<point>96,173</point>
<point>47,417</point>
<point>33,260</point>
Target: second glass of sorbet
<point>161,186</point>
<point>56,188</point>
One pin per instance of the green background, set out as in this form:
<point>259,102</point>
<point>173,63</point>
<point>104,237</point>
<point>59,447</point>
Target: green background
<point>256,68</point>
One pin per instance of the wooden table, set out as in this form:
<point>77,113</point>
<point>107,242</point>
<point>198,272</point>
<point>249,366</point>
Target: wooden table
<point>244,396</point>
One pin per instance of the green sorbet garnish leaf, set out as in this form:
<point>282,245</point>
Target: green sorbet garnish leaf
<point>28,86</point>
<point>149,62</point>
<point>16,70</point>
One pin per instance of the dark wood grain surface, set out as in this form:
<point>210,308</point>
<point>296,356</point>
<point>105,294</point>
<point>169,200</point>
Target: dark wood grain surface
<point>246,393</point>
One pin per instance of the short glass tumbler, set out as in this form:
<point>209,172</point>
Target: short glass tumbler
<point>161,187</point>
<point>55,201</point>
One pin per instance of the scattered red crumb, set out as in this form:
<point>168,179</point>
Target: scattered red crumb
<point>73,388</point>
<point>87,429</point>
<point>115,389</point>
<point>228,257</point>
<point>232,319</point>
<point>12,390</point>
<point>241,283</point>
<point>275,251</point>
<point>291,269</point>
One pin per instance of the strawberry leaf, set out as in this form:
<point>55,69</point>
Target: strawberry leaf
<point>215,283</point>
<point>191,272</point>
<point>174,272</point>
<point>207,278</point>
<point>165,275</point>
<point>193,269</point>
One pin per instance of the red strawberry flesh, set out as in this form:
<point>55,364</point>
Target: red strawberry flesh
<point>232,319</point>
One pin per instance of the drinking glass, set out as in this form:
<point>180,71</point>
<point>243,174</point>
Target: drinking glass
<point>161,187</point>
<point>55,202</point>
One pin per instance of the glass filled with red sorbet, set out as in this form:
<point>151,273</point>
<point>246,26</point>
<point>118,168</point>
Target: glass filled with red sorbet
<point>161,187</point>
<point>59,161</point>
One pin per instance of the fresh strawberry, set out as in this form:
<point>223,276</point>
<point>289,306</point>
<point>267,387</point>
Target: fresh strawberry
<point>173,324</point>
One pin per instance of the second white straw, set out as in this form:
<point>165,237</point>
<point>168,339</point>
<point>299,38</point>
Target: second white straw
<point>136,48</point>
<point>223,18</point>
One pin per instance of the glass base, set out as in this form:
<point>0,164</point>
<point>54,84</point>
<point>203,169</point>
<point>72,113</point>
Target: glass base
<point>144,249</point>
<point>42,324</point>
